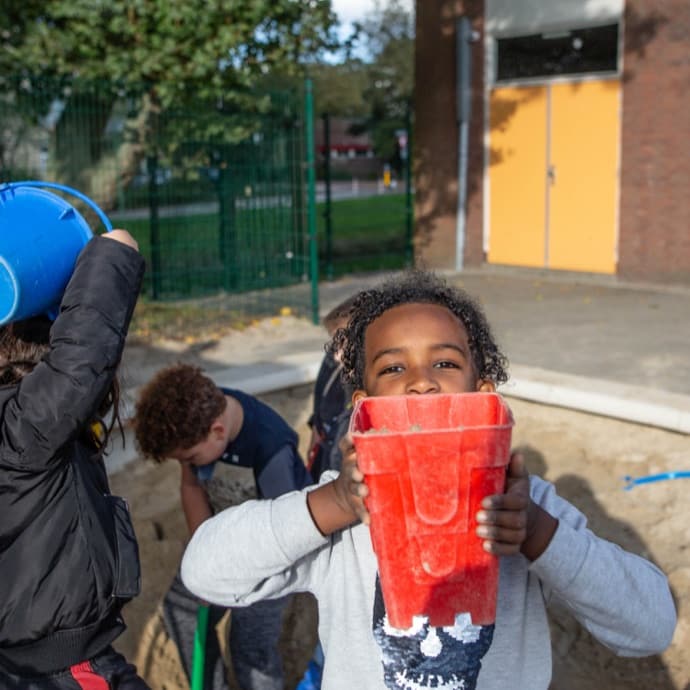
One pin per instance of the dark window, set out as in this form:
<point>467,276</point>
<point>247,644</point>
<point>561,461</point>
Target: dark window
<point>581,51</point>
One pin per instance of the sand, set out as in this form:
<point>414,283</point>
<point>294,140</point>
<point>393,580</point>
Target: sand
<point>586,456</point>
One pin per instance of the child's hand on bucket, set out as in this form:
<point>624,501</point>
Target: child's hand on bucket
<point>122,236</point>
<point>511,523</point>
<point>503,518</point>
<point>349,485</point>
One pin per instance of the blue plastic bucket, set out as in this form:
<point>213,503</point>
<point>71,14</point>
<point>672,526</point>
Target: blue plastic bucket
<point>41,236</point>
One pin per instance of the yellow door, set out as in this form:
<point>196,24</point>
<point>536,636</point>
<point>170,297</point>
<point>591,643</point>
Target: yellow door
<point>517,165</point>
<point>584,138</point>
<point>553,176</point>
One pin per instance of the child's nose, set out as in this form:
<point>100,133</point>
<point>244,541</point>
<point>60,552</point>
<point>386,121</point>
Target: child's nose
<point>422,381</point>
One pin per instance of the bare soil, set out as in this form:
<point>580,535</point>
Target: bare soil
<point>587,458</point>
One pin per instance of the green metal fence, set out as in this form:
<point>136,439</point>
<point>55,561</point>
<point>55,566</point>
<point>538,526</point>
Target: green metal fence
<point>221,199</point>
<point>217,198</point>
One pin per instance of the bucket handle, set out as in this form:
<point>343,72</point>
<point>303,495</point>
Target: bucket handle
<point>68,190</point>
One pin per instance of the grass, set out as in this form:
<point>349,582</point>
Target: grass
<point>370,220</point>
<point>376,218</point>
<point>368,234</point>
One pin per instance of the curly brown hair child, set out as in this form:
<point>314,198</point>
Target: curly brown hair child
<point>182,414</point>
<point>176,409</point>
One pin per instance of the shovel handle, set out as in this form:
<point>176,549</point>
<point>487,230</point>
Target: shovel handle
<point>199,656</point>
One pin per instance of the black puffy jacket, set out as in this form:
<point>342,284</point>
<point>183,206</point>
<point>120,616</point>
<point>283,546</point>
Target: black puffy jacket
<point>68,554</point>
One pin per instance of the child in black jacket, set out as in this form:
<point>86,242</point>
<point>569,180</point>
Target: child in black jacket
<point>68,553</point>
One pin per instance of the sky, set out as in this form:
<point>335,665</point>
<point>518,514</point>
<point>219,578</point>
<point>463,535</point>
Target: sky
<point>351,10</point>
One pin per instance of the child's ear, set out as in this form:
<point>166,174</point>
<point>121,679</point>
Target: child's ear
<point>358,395</point>
<point>486,386</point>
<point>217,430</point>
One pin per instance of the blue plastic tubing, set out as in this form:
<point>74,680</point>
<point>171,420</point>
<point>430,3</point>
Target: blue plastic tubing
<point>630,482</point>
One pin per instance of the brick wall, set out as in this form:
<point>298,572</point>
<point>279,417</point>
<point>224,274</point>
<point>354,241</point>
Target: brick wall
<point>654,241</point>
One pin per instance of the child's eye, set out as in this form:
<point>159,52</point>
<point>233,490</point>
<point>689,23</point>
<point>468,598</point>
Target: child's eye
<point>392,369</point>
<point>447,364</point>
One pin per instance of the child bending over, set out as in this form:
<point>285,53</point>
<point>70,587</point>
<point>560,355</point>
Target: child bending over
<point>183,415</point>
<point>416,335</point>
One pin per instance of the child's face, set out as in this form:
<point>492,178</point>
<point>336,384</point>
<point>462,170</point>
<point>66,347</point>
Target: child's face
<point>203,453</point>
<point>417,349</point>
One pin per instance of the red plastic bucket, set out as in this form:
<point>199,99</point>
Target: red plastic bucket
<point>428,461</point>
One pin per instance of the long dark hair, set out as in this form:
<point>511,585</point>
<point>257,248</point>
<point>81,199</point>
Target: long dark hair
<point>23,344</point>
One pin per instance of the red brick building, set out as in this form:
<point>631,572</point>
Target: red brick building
<point>554,135</point>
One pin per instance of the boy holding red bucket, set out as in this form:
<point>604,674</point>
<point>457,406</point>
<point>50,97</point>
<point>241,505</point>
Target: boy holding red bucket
<point>417,336</point>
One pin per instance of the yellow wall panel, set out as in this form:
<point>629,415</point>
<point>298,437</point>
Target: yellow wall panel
<point>517,167</point>
<point>583,190</point>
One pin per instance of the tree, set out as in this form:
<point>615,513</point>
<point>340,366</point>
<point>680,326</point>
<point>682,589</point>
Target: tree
<point>339,89</point>
<point>387,36</point>
<point>156,56</point>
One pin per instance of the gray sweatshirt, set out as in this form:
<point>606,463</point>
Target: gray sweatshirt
<point>265,549</point>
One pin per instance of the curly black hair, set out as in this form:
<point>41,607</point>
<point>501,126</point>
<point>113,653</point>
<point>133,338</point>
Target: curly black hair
<point>413,287</point>
<point>175,409</point>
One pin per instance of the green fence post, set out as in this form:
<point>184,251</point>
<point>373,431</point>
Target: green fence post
<point>328,211</point>
<point>311,199</point>
<point>296,189</point>
<point>154,231</point>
